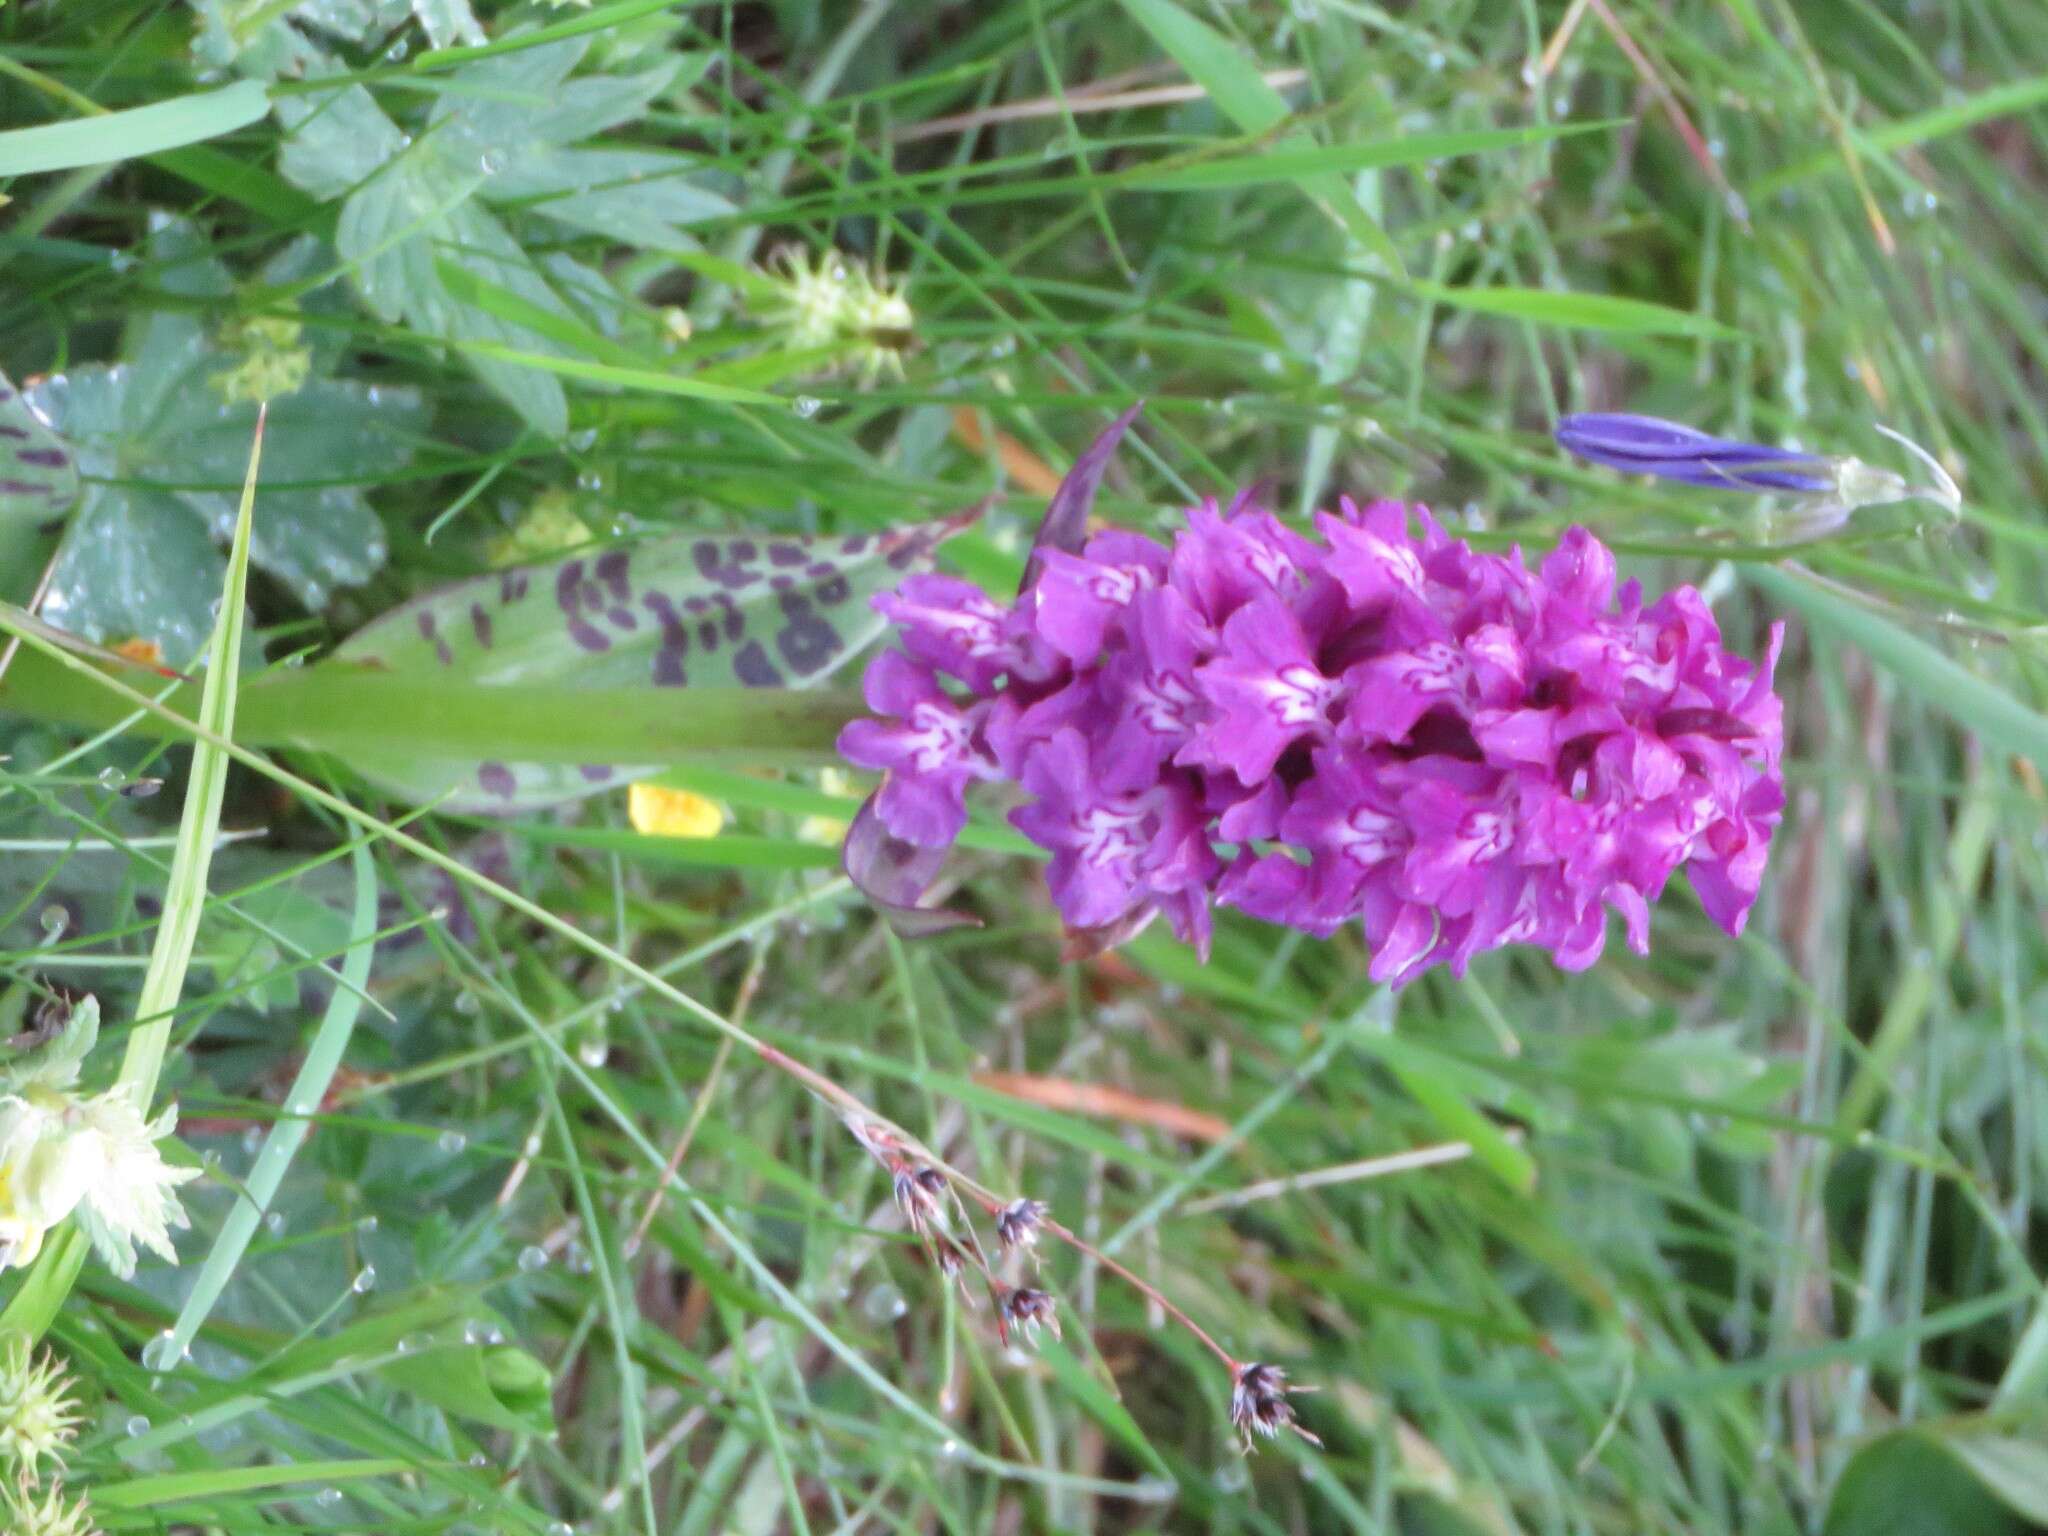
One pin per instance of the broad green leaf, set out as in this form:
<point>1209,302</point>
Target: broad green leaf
<point>497,1385</point>
<point>1577,311</point>
<point>639,197</point>
<point>163,452</point>
<point>111,137</point>
<point>1941,1480</point>
<point>38,475</point>
<point>671,613</point>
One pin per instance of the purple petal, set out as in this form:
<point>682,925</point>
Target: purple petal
<point>894,875</point>
<point>1066,519</point>
<point>1670,450</point>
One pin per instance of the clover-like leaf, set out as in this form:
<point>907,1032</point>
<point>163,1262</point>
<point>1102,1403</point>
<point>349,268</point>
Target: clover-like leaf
<point>685,610</point>
<point>163,452</point>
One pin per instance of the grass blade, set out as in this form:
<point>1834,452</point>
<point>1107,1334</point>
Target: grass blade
<point>117,136</point>
<point>309,1088</point>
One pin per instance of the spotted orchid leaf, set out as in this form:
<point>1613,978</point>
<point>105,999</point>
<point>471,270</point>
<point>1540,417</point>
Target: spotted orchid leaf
<point>38,475</point>
<point>770,612</point>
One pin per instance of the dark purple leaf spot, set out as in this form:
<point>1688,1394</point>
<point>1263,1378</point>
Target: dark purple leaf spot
<point>675,642</point>
<point>511,586</point>
<point>594,773</point>
<point>734,621</point>
<point>781,583</point>
<point>23,488</point>
<point>497,780</point>
<point>707,635</point>
<point>807,642</point>
<point>782,552</point>
<point>19,434</point>
<point>753,668</point>
<point>819,568</point>
<point>695,604</point>
<point>480,621</point>
<point>834,589</point>
<point>432,635</point>
<point>854,544</point>
<point>44,458</point>
<point>713,565</point>
<point>569,597</point>
<point>611,570</point>
<point>622,618</point>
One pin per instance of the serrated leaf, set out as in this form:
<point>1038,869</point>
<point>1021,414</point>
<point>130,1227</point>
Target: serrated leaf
<point>636,196</point>
<point>448,22</point>
<point>38,475</point>
<point>164,452</point>
<point>676,612</point>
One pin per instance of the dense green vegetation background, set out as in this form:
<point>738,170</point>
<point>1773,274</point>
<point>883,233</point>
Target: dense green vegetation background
<point>1729,1220</point>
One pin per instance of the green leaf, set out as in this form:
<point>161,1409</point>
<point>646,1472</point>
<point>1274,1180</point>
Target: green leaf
<point>112,137</point>
<point>1941,1480</point>
<point>1101,1404</point>
<point>163,453</point>
<point>1974,703</point>
<point>503,1387</point>
<point>183,1487</point>
<point>308,1090</point>
<point>672,613</point>
<point>38,475</point>
<point>1577,311</point>
<point>1296,160</point>
<point>1242,94</point>
<point>55,1064</point>
<point>638,197</point>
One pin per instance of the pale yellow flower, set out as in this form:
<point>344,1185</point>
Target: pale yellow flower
<point>658,812</point>
<point>95,1157</point>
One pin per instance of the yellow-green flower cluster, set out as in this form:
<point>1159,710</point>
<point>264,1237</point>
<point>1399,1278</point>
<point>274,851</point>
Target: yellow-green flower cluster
<point>274,362</point>
<point>829,303</point>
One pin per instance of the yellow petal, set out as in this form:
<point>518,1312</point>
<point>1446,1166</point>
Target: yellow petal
<point>659,812</point>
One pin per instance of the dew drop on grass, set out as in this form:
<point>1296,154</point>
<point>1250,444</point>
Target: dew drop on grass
<point>451,1142</point>
<point>593,1053</point>
<point>884,1304</point>
<point>411,1344</point>
<point>365,1280</point>
<point>366,1224</point>
<point>274,1223</point>
<point>472,1333</point>
<point>161,1353</point>
<point>327,1497</point>
<point>584,439</point>
<point>806,406</point>
<point>478,1460</point>
<point>54,920</point>
<point>532,1257</point>
<point>561,1528</point>
<point>137,1425</point>
<point>113,778</point>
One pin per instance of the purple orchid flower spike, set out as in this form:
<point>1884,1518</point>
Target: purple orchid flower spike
<point>1448,750</point>
<point>1670,450</point>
